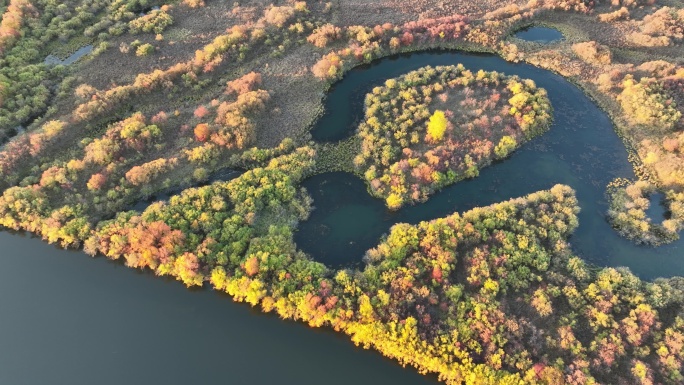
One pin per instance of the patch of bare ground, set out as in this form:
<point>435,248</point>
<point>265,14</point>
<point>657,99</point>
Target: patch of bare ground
<point>377,12</point>
<point>192,29</point>
<point>296,96</point>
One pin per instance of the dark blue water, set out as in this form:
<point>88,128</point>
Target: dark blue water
<point>657,209</point>
<point>581,150</point>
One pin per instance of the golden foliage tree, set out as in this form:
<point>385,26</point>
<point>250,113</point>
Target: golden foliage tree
<point>437,126</point>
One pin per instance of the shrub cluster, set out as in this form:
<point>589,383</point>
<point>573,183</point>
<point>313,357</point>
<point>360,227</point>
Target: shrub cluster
<point>648,103</point>
<point>368,43</point>
<point>593,53</point>
<point>662,28</point>
<point>155,21</point>
<point>610,17</point>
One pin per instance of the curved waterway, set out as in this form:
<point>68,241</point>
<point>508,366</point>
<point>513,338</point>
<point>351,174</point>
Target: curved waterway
<point>581,150</point>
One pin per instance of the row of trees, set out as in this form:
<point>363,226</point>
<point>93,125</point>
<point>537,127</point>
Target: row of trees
<point>141,154</point>
<point>209,229</point>
<point>587,6</point>
<point>137,154</point>
<point>235,43</point>
<point>155,21</point>
<point>434,126</point>
<point>27,29</point>
<point>11,23</point>
<point>366,43</point>
<point>494,293</point>
<point>492,296</point>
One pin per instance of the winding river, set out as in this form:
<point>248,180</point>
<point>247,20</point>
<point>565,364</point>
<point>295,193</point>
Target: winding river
<point>581,150</point>
<point>69,319</point>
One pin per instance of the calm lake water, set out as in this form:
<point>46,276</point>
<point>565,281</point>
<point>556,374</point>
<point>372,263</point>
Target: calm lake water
<point>539,35</point>
<point>71,319</point>
<point>68,319</point>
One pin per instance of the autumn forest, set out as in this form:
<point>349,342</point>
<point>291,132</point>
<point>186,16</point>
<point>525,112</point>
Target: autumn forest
<point>177,137</point>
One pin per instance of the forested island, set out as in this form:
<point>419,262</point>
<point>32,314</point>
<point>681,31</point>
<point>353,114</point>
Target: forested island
<point>177,137</point>
<point>445,123</point>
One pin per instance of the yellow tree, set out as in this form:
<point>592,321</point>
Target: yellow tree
<point>437,126</point>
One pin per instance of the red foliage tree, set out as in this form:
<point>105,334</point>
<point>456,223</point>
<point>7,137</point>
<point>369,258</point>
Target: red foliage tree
<point>201,112</point>
<point>96,181</point>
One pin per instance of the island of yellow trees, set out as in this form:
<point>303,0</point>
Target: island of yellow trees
<point>435,126</point>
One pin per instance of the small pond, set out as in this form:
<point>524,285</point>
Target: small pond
<point>657,209</point>
<point>542,35</point>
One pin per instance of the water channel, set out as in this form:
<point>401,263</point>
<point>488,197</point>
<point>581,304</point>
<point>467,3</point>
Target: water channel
<point>54,60</point>
<point>71,319</point>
